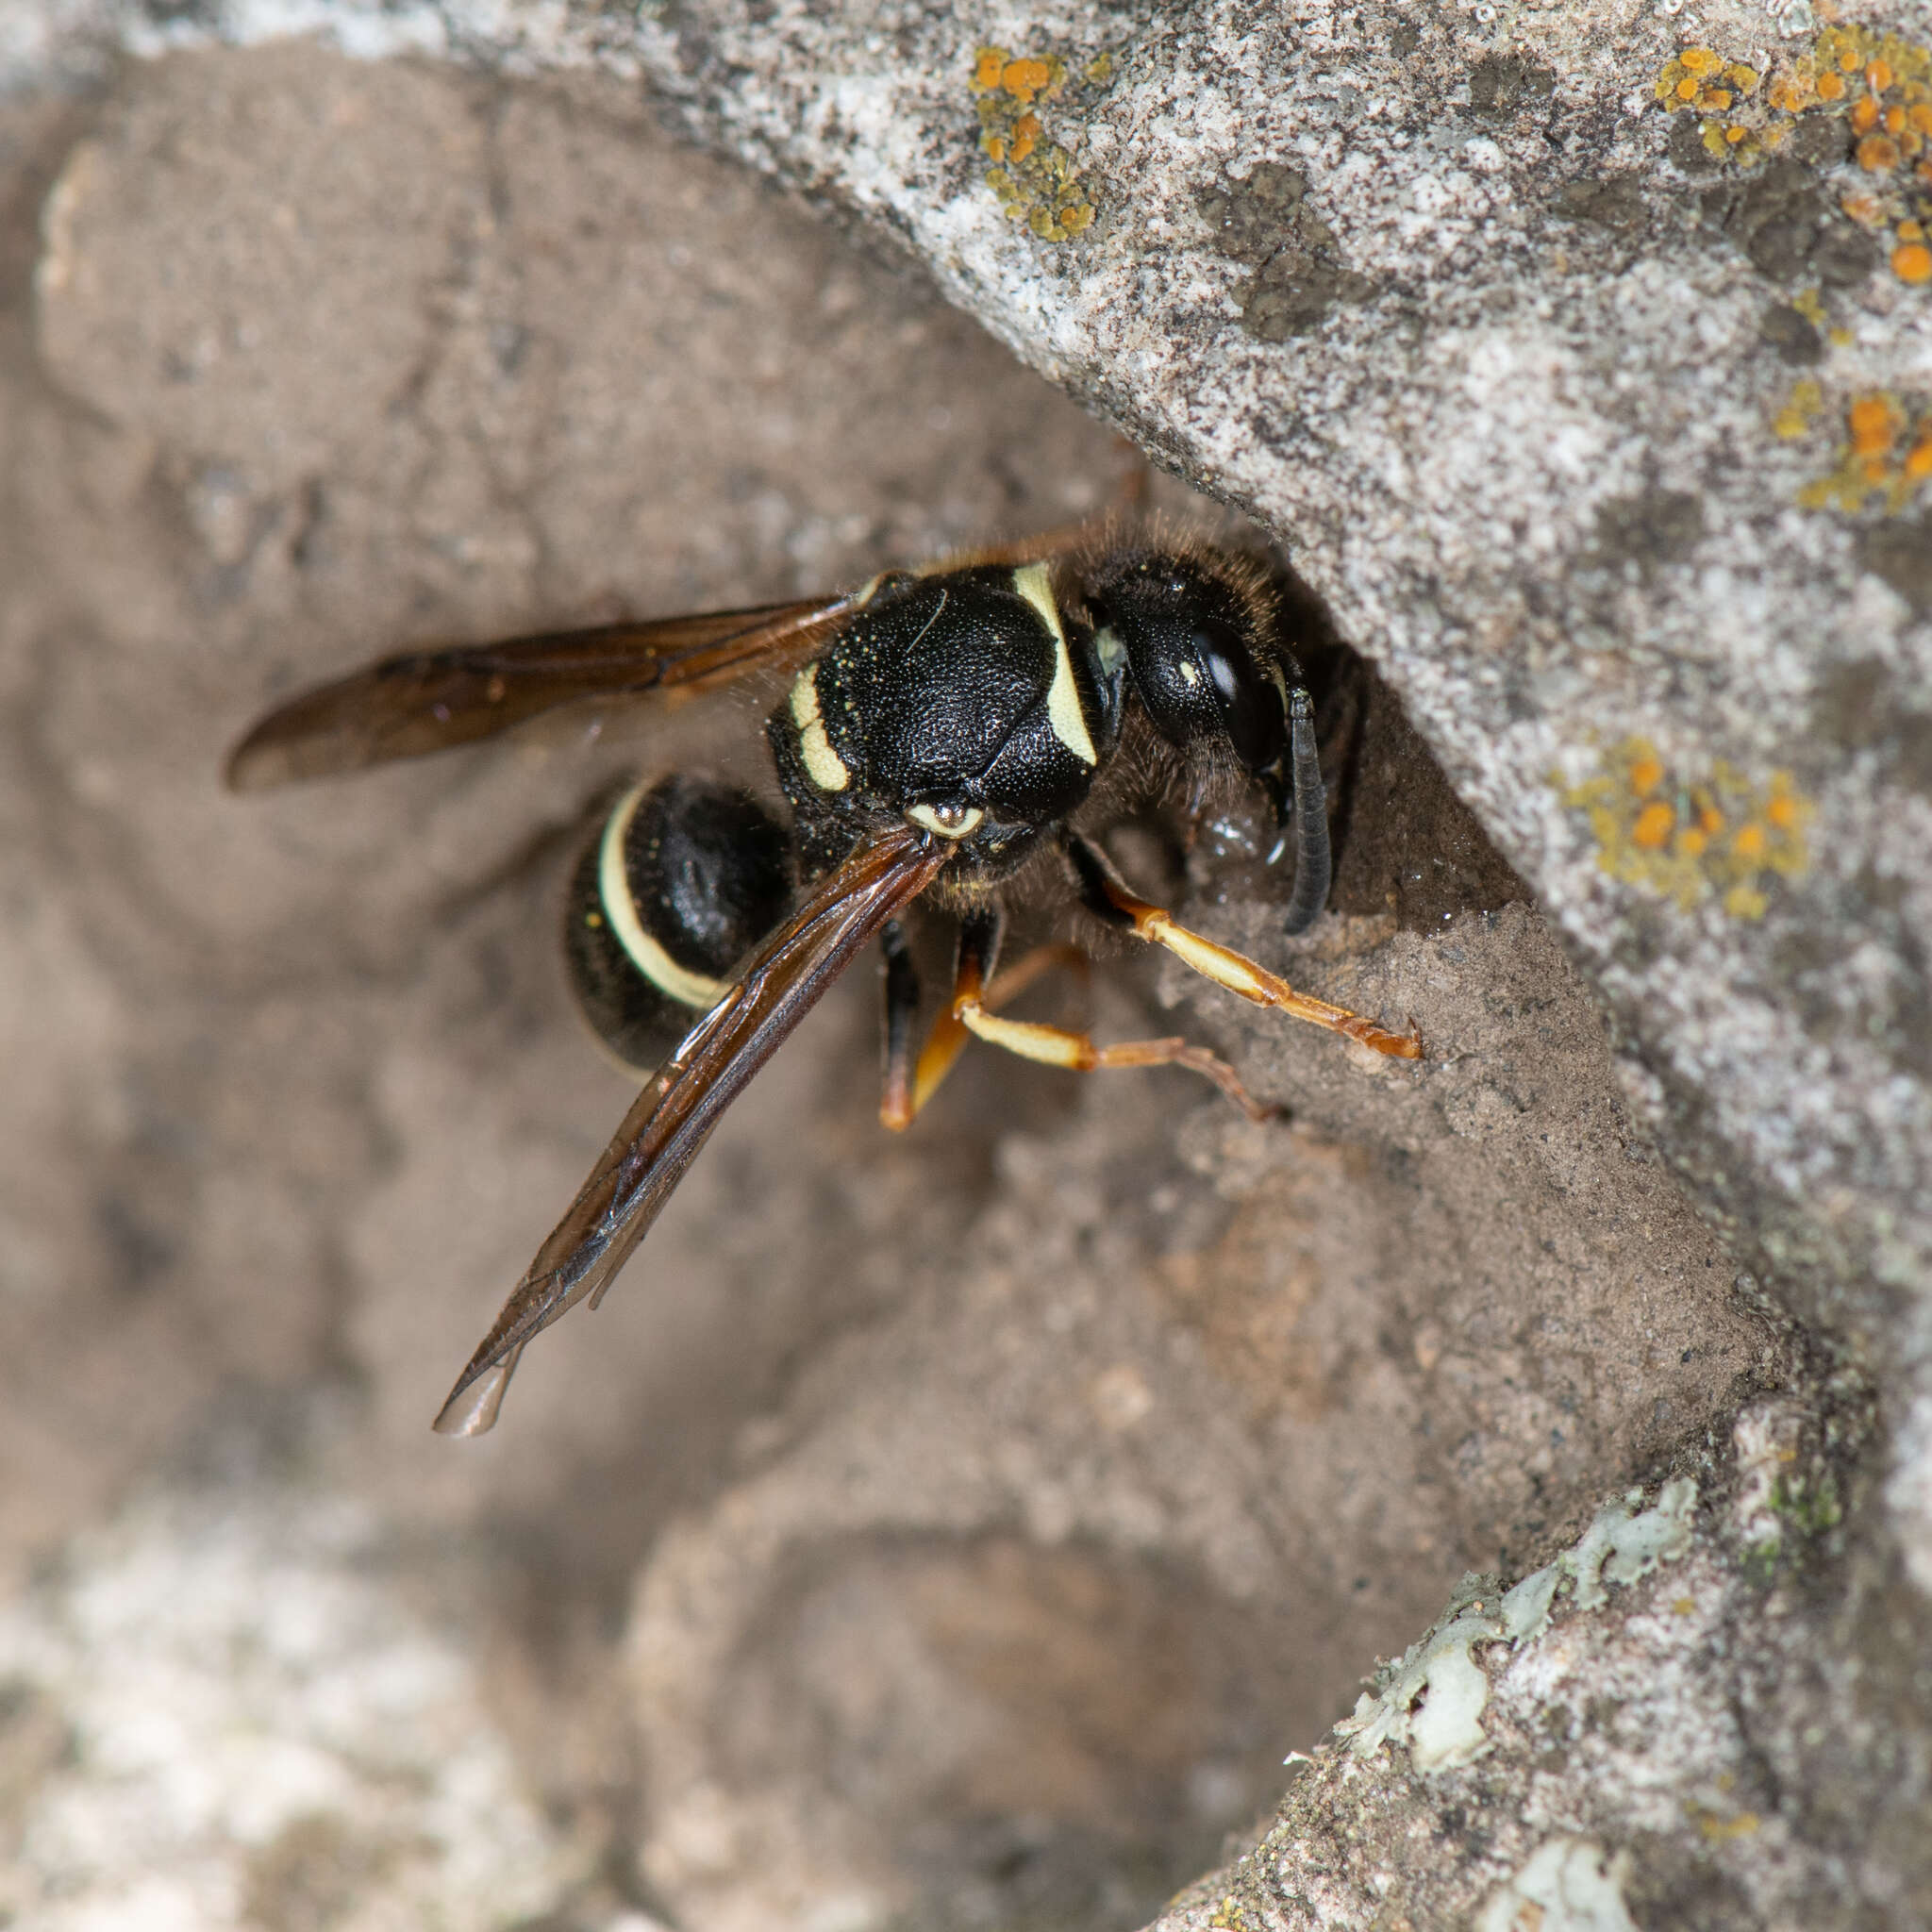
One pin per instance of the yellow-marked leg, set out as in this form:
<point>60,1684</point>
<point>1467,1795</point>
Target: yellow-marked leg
<point>973,1012</point>
<point>1103,893</point>
<point>902,1010</point>
<point>979,952</point>
<point>950,1034</point>
<point>1058,1047</point>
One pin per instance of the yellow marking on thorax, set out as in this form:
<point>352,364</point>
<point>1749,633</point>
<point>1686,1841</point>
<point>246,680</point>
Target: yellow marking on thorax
<point>680,983</point>
<point>822,765</point>
<point>1034,582</point>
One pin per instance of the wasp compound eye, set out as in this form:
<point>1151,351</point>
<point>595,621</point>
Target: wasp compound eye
<point>1249,698</point>
<point>1197,664</point>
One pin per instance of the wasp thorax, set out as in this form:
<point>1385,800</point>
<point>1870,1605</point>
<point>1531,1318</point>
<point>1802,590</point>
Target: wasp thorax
<point>1198,652</point>
<point>967,704</point>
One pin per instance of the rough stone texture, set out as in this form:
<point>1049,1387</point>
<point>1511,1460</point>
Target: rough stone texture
<point>1685,1743</point>
<point>220,1714</point>
<point>1220,1443</point>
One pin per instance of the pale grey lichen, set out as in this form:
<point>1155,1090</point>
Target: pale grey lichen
<point>1527,1608</point>
<point>1439,1670</point>
<point>1432,1700</point>
<point>1619,1547</point>
<point>1569,1885</point>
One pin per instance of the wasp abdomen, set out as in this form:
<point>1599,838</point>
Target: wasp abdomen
<point>686,877</point>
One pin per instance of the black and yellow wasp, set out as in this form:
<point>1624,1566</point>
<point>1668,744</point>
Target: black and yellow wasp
<point>945,734</point>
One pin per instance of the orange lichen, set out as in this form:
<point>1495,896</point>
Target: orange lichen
<point>1036,178</point>
<point>1880,456</point>
<point>1912,262</point>
<point>1873,421</point>
<point>1023,78</point>
<point>1705,80</point>
<point>1654,825</point>
<point>1879,84</point>
<point>1669,844</point>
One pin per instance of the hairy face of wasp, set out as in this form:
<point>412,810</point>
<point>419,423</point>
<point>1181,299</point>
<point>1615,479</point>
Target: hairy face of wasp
<point>942,726</point>
<point>1191,641</point>
<point>970,705</point>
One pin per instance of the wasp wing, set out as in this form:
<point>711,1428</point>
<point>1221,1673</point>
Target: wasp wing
<point>675,1114</point>
<point>425,701</point>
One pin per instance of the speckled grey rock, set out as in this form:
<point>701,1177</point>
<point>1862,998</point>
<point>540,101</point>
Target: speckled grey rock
<point>224,1711</point>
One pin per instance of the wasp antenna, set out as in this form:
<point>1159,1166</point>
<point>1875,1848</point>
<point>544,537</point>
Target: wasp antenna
<point>1313,867</point>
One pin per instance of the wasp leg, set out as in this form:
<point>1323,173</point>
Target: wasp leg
<point>1058,1046</point>
<point>980,949</point>
<point>902,1010</point>
<point>1007,987</point>
<point>904,1091</point>
<point>1105,895</point>
<point>973,1013</point>
<point>950,1032</point>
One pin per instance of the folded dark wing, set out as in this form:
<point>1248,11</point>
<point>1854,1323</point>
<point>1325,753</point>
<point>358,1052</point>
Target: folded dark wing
<point>682,1103</point>
<point>423,701</point>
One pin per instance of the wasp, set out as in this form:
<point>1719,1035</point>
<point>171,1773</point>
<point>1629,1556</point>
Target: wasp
<point>955,735</point>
